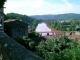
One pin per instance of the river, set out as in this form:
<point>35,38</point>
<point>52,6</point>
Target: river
<point>42,27</point>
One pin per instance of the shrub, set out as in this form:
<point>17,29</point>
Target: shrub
<point>27,42</point>
<point>57,49</point>
<point>33,34</point>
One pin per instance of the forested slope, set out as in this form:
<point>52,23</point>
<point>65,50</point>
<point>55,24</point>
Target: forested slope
<point>69,16</point>
<point>17,16</point>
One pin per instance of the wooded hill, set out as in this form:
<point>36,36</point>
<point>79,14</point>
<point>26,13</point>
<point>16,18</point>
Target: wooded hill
<point>69,16</point>
<point>17,16</point>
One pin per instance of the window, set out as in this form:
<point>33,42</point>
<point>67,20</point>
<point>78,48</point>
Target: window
<point>18,28</point>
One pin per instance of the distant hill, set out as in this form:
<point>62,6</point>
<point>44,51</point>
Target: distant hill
<point>17,16</point>
<point>69,16</point>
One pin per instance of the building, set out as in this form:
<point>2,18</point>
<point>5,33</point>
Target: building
<point>15,28</point>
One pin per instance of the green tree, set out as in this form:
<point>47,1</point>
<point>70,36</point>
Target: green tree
<point>33,34</point>
<point>33,25</point>
<point>2,3</point>
<point>17,16</point>
<point>27,42</point>
<point>57,49</point>
<point>64,26</point>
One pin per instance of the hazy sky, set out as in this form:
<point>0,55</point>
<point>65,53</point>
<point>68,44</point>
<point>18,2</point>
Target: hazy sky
<point>40,7</point>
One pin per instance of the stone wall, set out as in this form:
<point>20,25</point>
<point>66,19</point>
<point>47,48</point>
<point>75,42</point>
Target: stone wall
<point>12,50</point>
<point>2,17</point>
<point>18,32</point>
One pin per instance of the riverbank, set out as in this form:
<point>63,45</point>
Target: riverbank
<point>58,32</point>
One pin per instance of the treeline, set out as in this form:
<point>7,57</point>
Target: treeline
<point>17,16</point>
<point>61,48</point>
<point>69,16</point>
<point>64,25</point>
<point>33,25</point>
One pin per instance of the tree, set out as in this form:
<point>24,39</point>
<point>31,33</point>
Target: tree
<point>64,26</point>
<point>71,54</point>
<point>17,16</point>
<point>33,34</point>
<point>57,49</point>
<point>2,3</point>
<point>27,42</point>
<point>33,25</point>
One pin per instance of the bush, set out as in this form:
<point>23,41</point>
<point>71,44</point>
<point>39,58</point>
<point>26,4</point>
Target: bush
<point>71,54</point>
<point>27,42</point>
<point>33,34</point>
<point>57,49</point>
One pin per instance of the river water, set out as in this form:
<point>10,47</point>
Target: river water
<point>42,27</point>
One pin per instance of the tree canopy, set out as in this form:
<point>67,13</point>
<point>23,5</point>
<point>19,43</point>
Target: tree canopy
<point>2,3</point>
<point>61,48</point>
<point>65,25</point>
<point>17,16</point>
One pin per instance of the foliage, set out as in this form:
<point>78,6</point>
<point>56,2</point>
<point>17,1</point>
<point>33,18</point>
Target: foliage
<point>33,25</point>
<point>63,26</point>
<point>33,34</point>
<point>71,54</point>
<point>78,29</point>
<point>27,42</point>
<point>17,16</point>
<point>61,48</point>
<point>2,3</point>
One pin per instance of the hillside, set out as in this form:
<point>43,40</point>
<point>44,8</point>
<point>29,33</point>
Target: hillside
<point>69,16</point>
<point>17,16</point>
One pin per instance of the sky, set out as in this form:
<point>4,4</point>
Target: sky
<point>42,7</point>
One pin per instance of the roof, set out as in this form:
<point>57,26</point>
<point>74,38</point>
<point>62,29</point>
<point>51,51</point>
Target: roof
<point>14,22</point>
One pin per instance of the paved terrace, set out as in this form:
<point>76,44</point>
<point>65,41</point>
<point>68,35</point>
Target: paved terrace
<point>12,50</point>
